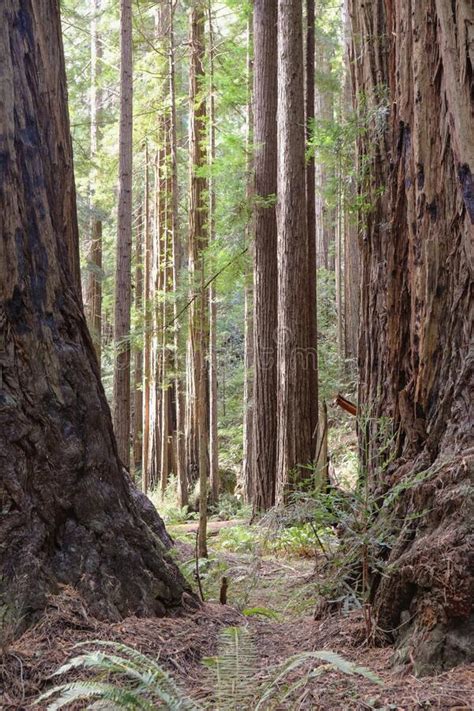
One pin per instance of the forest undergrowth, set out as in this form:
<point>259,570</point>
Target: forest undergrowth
<point>264,649</point>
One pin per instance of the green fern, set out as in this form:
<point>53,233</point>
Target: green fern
<point>147,683</point>
<point>233,670</point>
<point>334,662</point>
<point>146,686</point>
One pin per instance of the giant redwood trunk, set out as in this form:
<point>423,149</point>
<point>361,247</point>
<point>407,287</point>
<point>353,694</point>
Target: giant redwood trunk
<point>413,61</point>
<point>69,515</point>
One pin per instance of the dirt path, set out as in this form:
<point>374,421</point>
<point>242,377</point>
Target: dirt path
<point>273,599</point>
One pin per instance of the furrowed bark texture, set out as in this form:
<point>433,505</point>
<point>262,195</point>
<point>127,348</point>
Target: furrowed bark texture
<point>93,290</point>
<point>69,514</point>
<point>414,63</point>
<point>197,439</point>
<point>295,361</point>
<point>123,293</point>
<point>177,259</point>
<point>247,483</point>
<point>311,223</point>
<point>265,261</point>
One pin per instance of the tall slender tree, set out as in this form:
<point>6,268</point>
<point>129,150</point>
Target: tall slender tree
<point>351,224</point>
<point>248,470</point>
<point>311,224</point>
<point>294,355</point>
<point>213,436</point>
<point>67,504</point>
<point>138,349</point>
<point>198,342</point>
<point>265,261</point>
<point>121,395</point>
<point>93,295</point>
<point>147,291</point>
<point>177,259</point>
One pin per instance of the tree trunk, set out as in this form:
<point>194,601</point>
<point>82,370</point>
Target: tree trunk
<point>138,350</point>
<point>70,513</point>
<point>176,246</point>
<point>248,466</point>
<point>295,359</point>
<point>93,295</point>
<point>198,409</point>
<point>339,260</point>
<point>265,263</point>
<point>413,61</point>
<point>156,391</point>
<point>166,287</point>
<point>351,227</point>
<point>311,226</point>
<point>147,269</point>
<point>213,435</point>
<point>121,395</point>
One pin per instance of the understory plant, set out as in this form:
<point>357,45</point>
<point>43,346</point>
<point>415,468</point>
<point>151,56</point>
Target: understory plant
<point>126,679</point>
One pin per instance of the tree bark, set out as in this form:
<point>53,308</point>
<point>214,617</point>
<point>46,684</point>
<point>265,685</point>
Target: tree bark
<point>295,359</point>
<point>93,295</point>
<point>177,259</point>
<point>198,346</point>
<point>248,466</point>
<point>147,340</point>
<point>166,440</point>
<point>351,225</point>
<point>413,61</point>
<point>70,514</point>
<point>311,224</point>
<point>265,261</point>
<point>138,350</point>
<point>213,393</point>
<point>121,395</point>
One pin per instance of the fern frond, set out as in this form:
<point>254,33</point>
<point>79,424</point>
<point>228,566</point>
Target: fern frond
<point>334,662</point>
<point>233,669</point>
<point>86,691</point>
<point>146,679</point>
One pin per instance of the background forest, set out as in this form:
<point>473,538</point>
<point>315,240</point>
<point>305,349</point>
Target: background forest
<point>236,447</point>
<point>162,55</point>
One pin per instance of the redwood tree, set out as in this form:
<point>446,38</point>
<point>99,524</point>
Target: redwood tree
<point>197,425</point>
<point>295,358</point>
<point>93,291</point>
<point>265,259</point>
<point>121,396</point>
<point>311,220</point>
<point>69,513</point>
<point>413,63</point>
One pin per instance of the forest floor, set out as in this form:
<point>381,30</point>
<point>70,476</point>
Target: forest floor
<point>271,597</point>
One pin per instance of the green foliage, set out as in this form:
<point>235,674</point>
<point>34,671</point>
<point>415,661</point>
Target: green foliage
<point>140,683</point>
<point>144,683</point>
<point>166,504</point>
<point>238,539</point>
<point>233,669</point>
<point>230,506</point>
<point>278,691</point>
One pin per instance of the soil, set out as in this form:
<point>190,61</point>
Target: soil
<point>276,585</point>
